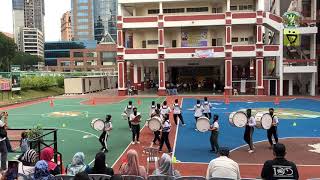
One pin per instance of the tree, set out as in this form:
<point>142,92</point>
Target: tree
<point>7,52</point>
<point>26,60</point>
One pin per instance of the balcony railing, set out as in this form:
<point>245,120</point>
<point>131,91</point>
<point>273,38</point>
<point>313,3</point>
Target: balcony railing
<point>299,62</point>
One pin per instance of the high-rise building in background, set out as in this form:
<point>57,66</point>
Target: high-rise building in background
<point>66,31</point>
<point>94,20</point>
<point>28,25</point>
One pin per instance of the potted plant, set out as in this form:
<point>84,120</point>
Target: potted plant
<point>34,137</point>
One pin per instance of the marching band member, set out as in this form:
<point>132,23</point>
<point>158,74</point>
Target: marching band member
<point>198,110</point>
<point>153,108</point>
<point>156,133</point>
<point>105,134</point>
<point>164,109</point>
<point>177,113</point>
<point>129,110</point>
<point>249,130</point>
<point>273,131</point>
<point>214,128</point>
<point>135,126</point>
<point>165,133</point>
<point>207,108</point>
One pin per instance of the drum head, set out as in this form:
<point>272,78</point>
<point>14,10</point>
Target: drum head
<point>97,124</point>
<point>203,124</point>
<point>154,124</point>
<point>239,119</point>
<point>266,121</point>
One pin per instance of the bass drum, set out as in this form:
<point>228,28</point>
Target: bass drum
<point>97,124</point>
<point>154,123</point>
<point>263,120</point>
<point>203,124</point>
<point>238,119</point>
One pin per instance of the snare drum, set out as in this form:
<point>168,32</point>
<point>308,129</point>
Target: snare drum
<point>203,124</point>
<point>155,123</point>
<point>263,120</point>
<point>238,119</point>
<point>97,124</point>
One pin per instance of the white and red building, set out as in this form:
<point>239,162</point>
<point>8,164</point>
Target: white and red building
<point>235,43</point>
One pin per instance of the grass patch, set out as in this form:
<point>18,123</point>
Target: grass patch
<point>27,95</point>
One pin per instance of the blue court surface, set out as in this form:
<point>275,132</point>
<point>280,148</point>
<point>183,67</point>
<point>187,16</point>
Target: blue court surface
<point>297,118</point>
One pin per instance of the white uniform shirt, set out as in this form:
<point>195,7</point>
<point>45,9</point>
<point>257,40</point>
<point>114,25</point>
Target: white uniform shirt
<point>108,125</point>
<point>129,110</point>
<point>206,107</point>
<point>165,110</point>
<point>198,110</point>
<point>216,125</point>
<point>152,109</point>
<point>132,116</point>
<point>176,109</point>
<point>223,167</point>
<point>275,119</point>
<point>251,121</point>
<point>166,126</point>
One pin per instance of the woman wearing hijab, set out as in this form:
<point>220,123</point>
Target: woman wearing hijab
<point>100,165</point>
<point>28,161</point>
<point>164,167</point>
<point>77,165</point>
<point>47,155</point>
<point>41,171</point>
<point>132,167</point>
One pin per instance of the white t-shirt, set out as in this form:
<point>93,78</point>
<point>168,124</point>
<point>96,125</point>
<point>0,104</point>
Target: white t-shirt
<point>165,110</point>
<point>107,126</point>
<point>176,109</point>
<point>152,109</point>
<point>198,110</point>
<point>251,121</point>
<point>132,116</point>
<point>223,167</point>
<point>275,119</point>
<point>216,125</point>
<point>166,126</point>
<point>129,110</point>
<point>206,107</point>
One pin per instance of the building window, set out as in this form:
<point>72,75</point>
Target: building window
<point>153,11</point>
<point>82,20</point>
<point>174,43</point>
<point>82,1</point>
<point>83,33</point>
<point>82,14</point>
<point>233,8</point>
<point>217,10</point>
<point>152,42</point>
<point>144,44</point>
<point>217,42</point>
<point>82,8</point>
<point>92,54</point>
<point>175,10</point>
<point>83,27</point>
<point>77,54</point>
<point>198,9</point>
<point>235,39</point>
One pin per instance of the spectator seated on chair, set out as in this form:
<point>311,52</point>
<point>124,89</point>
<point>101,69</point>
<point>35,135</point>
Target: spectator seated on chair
<point>81,176</point>
<point>47,155</point>
<point>41,171</point>
<point>164,167</point>
<point>28,162</point>
<point>223,166</point>
<point>132,167</point>
<point>100,165</point>
<point>235,92</point>
<point>77,165</point>
<point>273,169</point>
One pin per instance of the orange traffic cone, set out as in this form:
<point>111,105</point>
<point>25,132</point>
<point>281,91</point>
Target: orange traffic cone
<point>93,101</point>
<point>139,102</point>
<point>51,103</point>
<point>276,101</point>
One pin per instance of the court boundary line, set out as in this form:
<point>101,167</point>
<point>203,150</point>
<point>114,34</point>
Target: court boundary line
<point>248,164</point>
<point>176,135</point>
<point>125,150</point>
<point>89,98</point>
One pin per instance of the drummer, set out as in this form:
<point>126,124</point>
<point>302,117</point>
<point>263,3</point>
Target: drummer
<point>166,126</point>
<point>135,126</point>
<point>153,107</point>
<point>207,108</point>
<point>214,128</point>
<point>105,134</point>
<point>198,111</point>
<point>177,113</point>
<point>156,133</point>
<point>249,130</point>
<point>164,109</point>
<point>273,131</point>
<point>129,110</point>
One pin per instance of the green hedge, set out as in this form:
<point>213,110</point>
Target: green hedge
<point>41,82</point>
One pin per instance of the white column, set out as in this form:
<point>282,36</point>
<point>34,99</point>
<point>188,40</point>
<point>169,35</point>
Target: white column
<point>119,9</point>
<point>134,12</point>
<point>260,4</point>
<point>313,84</point>
<point>277,4</point>
<point>281,62</point>
<point>160,8</point>
<point>228,5</point>
<point>142,73</point>
<point>313,9</point>
<point>313,46</point>
<point>290,87</point>
<point>135,73</point>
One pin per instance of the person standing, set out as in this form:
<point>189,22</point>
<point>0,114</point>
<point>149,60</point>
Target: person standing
<point>279,167</point>
<point>177,113</point>
<point>207,108</point>
<point>164,109</point>
<point>3,146</point>
<point>166,126</point>
<point>198,110</point>
<point>135,126</point>
<point>214,134</point>
<point>156,133</point>
<point>249,130</point>
<point>273,131</point>
<point>105,134</point>
<point>129,110</point>
<point>153,108</point>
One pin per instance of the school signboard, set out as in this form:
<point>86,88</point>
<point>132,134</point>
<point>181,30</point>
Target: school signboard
<point>15,78</point>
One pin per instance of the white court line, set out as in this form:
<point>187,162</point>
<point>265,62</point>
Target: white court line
<point>249,164</point>
<point>175,140</point>
<point>130,141</point>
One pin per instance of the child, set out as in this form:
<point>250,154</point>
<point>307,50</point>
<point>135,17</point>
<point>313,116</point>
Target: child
<point>165,133</point>
<point>177,113</point>
<point>249,130</point>
<point>164,109</point>
<point>129,110</point>
<point>198,110</point>
<point>156,133</point>
<point>153,107</point>
<point>24,142</point>
<point>105,134</point>
<point>135,126</point>
<point>207,108</point>
<point>214,134</point>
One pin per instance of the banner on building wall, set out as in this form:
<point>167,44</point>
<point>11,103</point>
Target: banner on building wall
<point>292,37</point>
<point>194,38</point>
<point>5,84</point>
<point>207,53</point>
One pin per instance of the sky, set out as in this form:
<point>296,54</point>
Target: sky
<point>54,10</point>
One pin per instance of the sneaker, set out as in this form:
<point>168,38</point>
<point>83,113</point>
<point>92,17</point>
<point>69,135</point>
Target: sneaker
<point>138,142</point>
<point>183,124</point>
<point>250,151</point>
<point>133,142</point>
<point>196,129</point>
<point>102,149</point>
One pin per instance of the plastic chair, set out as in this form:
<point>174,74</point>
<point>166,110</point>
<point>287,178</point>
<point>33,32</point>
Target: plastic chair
<point>63,177</point>
<point>99,177</point>
<point>152,154</point>
<point>132,177</point>
<point>216,178</point>
<point>191,178</point>
<point>161,177</point>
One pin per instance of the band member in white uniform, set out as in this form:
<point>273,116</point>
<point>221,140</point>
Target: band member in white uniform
<point>153,108</point>
<point>273,131</point>
<point>214,128</point>
<point>207,108</point>
<point>164,109</point>
<point>198,112</point>
<point>105,134</point>
<point>166,126</point>
<point>135,126</point>
<point>249,129</point>
<point>156,133</point>
<point>129,110</point>
<point>177,113</point>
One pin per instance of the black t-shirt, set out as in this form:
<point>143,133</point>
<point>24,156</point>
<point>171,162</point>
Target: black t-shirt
<point>279,168</point>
